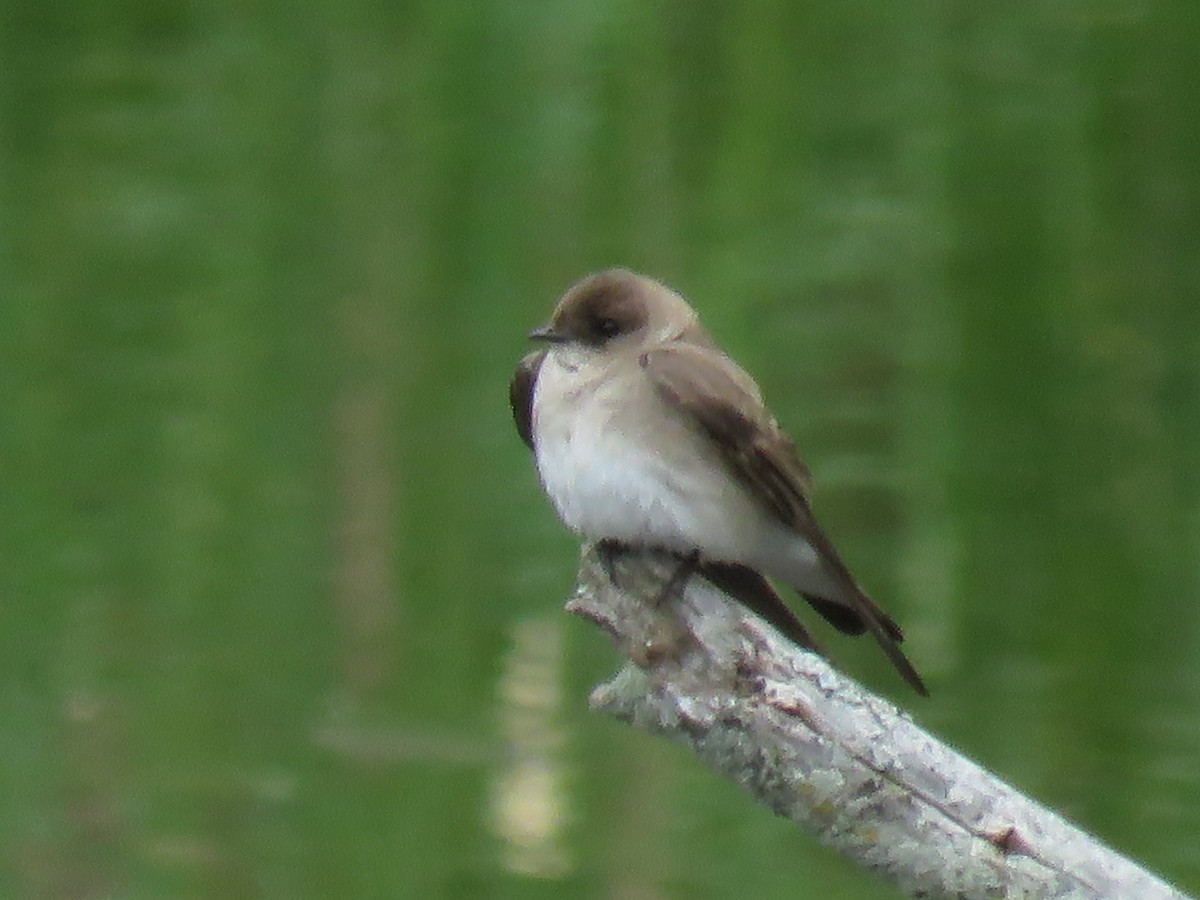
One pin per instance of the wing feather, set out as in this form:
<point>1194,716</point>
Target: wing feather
<point>727,406</point>
<point>520,394</point>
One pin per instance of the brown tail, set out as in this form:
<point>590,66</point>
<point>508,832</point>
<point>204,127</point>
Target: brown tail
<point>754,592</point>
<point>865,615</point>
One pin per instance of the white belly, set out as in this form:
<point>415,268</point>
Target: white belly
<point>604,486</point>
<point>648,479</point>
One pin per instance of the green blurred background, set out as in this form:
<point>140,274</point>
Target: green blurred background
<point>279,595</point>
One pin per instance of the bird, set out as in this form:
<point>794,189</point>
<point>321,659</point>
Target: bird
<point>646,434</point>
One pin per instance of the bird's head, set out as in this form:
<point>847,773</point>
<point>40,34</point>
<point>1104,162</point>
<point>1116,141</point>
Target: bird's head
<point>614,311</point>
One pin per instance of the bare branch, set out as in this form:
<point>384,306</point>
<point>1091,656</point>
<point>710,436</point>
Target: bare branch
<point>816,747</point>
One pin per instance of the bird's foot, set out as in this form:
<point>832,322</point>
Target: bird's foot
<point>674,586</point>
<point>608,551</point>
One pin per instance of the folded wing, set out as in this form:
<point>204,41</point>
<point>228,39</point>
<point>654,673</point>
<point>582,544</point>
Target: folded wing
<point>723,400</point>
<point>520,394</point>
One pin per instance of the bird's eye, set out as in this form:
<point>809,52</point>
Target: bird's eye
<point>608,328</point>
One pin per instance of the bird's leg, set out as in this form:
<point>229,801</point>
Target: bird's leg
<point>671,636</point>
<point>608,551</point>
<point>674,586</point>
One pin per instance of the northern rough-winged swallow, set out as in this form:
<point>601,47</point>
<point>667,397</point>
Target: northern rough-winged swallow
<point>647,435</point>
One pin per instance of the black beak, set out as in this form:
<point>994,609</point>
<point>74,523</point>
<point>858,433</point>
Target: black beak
<point>546,333</point>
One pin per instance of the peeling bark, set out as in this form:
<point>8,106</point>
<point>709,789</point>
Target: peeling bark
<point>815,747</point>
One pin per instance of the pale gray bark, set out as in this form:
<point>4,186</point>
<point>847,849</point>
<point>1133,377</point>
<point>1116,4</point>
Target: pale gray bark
<point>815,747</point>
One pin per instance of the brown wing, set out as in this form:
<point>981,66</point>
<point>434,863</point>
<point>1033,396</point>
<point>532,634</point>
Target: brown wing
<point>520,394</point>
<point>724,401</point>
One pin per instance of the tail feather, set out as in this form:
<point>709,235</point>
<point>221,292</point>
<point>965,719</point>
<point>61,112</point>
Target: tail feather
<point>848,619</point>
<point>892,649</point>
<point>863,615</point>
<point>858,616</point>
<point>753,591</point>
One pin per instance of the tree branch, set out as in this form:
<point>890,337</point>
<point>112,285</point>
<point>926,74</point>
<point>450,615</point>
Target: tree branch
<point>815,747</point>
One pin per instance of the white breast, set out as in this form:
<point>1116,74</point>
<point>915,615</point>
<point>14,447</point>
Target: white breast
<point>618,462</point>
